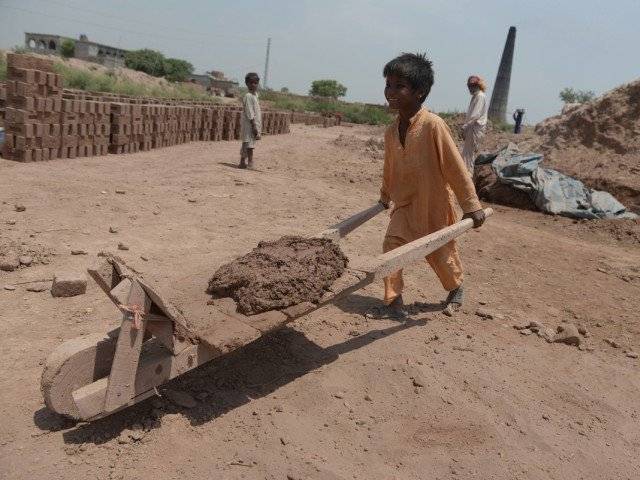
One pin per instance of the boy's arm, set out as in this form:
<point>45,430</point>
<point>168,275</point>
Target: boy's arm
<point>386,177</point>
<point>456,174</point>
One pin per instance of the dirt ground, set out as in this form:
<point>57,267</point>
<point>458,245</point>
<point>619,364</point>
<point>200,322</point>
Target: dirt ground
<point>337,395</point>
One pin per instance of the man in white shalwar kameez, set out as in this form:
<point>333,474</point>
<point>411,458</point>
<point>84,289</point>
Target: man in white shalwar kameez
<point>475,122</point>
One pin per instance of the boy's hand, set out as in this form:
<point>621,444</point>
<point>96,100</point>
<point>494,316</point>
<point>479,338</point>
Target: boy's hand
<point>477,217</point>
<point>384,204</point>
<point>256,134</point>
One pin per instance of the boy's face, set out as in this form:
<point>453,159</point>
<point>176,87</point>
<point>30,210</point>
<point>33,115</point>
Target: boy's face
<point>252,85</point>
<point>401,95</point>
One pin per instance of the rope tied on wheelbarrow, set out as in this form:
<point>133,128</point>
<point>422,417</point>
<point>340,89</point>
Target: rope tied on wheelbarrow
<point>137,313</point>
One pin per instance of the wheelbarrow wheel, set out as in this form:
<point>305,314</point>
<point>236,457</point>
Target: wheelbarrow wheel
<point>74,364</point>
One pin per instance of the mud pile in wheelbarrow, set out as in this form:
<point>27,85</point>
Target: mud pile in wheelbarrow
<point>278,274</point>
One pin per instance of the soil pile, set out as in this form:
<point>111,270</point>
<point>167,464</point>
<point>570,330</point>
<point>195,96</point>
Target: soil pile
<point>610,123</point>
<point>490,189</point>
<point>372,147</point>
<point>278,274</point>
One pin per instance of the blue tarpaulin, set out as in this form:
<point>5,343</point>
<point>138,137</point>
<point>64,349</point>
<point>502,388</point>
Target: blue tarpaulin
<point>552,191</point>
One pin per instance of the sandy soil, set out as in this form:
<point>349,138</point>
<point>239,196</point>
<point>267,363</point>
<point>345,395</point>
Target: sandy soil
<point>338,395</point>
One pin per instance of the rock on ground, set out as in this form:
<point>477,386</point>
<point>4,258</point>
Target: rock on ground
<point>69,285</point>
<point>567,334</point>
<point>9,263</point>
<point>278,274</point>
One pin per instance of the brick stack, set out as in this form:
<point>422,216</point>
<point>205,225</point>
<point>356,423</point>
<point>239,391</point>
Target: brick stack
<point>33,106</point>
<point>126,127</point>
<point>229,124</point>
<point>85,128</point>
<point>44,121</point>
<point>146,136</point>
<point>3,102</point>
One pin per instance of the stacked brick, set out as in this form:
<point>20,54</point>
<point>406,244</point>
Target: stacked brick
<point>3,102</point>
<point>315,119</point>
<point>33,107</point>
<point>126,127</point>
<point>44,121</point>
<point>85,128</point>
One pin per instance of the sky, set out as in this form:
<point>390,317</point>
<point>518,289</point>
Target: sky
<point>584,44</point>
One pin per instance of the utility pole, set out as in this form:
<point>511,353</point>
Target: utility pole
<point>266,64</point>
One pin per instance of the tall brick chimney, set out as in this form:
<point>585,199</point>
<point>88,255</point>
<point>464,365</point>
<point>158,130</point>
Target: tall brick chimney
<point>500,94</point>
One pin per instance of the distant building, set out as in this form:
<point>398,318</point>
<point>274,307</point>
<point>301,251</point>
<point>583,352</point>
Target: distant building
<point>215,83</point>
<point>84,48</point>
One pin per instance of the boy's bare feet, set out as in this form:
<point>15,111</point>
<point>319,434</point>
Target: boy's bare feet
<point>242,164</point>
<point>454,301</point>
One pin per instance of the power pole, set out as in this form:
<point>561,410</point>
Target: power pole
<point>266,64</point>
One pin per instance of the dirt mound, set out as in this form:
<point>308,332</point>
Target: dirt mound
<point>490,189</point>
<point>278,274</point>
<point>372,147</point>
<point>610,123</point>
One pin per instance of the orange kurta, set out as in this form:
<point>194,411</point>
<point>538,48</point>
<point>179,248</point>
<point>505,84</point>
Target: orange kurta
<point>423,179</point>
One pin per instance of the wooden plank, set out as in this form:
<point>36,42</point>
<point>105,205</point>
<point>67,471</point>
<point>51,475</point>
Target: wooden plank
<point>120,292</point>
<point>162,329</point>
<point>157,366</point>
<point>415,251</point>
<point>121,384</point>
<point>224,332</point>
<point>105,276</point>
<point>343,228</point>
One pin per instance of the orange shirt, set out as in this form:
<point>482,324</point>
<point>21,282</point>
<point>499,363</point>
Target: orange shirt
<point>424,177</point>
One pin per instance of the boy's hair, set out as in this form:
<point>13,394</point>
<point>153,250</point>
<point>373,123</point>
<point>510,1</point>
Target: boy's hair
<point>251,76</point>
<point>415,67</point>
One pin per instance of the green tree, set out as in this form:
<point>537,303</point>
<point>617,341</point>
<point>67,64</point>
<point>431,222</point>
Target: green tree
<point>145,60</point>
<point>176,70</point>
<point>327,88</point>
<point>67,48</point>
<point>569,95</point>
<point>284,90</point>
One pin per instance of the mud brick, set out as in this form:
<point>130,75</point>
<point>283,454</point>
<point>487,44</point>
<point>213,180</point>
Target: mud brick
<point>121,108</point>
<point>70,128</point>
<point>85,150</point>
<point>17,60</point>
<point>49,142</point>
<point>24,129</point>
<point>21,102</point>
<point>119,139</point>
<point>9,140</point>
<point>17,115</point>
<point>68,141</point>
<point>22,75</point>
<point>17,155</point>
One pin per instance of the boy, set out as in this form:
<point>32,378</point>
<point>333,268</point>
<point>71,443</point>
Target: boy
<point>422,171</point>
<point>251,124</point>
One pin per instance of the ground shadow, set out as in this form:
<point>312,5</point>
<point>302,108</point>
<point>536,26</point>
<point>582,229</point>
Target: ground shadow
<point>237,167</point>
<point>364,304</point>
<point>229,382</point>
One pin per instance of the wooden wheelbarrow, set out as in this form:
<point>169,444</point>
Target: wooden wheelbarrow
<point>167,331</point>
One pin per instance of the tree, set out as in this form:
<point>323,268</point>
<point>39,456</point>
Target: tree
<point>67,48</point>
<point>327,88</point>
<point>284,90</point>
<point>176,70</point>
<point>145,60</point>
<point>569,95</point>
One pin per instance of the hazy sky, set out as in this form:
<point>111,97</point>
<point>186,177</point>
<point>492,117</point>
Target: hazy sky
<point>586,44</point>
